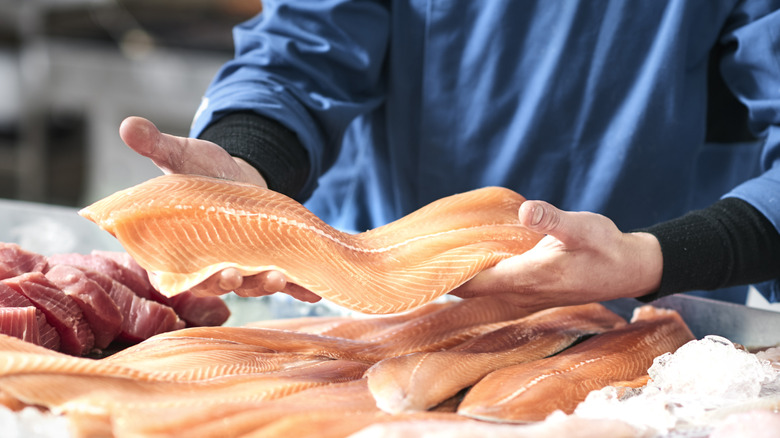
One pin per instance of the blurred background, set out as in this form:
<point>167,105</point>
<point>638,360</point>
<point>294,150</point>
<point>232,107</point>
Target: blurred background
<point>71,70</point>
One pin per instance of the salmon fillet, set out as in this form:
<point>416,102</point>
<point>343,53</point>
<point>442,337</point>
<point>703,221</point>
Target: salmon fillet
<point>531,391</point>
<point>419,381</point>
<point>438,330</point>
<point>184,228</point>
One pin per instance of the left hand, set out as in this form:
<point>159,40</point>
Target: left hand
<point>173,154</point>
<point>583,258</point>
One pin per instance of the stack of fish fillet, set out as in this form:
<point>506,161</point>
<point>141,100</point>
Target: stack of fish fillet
<point>477,362</point>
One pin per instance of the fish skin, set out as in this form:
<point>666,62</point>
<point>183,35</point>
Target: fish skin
<point>393,268</point>
<point>531,391</point>
<point>419,381</point>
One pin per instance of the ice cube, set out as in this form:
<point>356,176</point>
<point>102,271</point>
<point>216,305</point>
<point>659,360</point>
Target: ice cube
<point>713,371</point>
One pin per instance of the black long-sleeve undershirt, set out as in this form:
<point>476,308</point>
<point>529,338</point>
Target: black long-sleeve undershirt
<point>267,145</point>
<point>726,244</point>
<point>729,243</point>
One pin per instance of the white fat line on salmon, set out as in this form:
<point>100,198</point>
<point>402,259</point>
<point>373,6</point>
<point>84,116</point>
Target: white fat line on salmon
<point>544,377</point>
<point>416,368</point>
<point>294,223</point>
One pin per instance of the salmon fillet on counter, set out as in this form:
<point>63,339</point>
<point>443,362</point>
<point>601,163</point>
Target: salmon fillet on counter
<point>184,228</point>
<point>621,357</point>
<point>419,381</point>
<point>262,381</point>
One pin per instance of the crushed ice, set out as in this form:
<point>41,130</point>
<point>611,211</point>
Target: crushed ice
<point>687,387</point>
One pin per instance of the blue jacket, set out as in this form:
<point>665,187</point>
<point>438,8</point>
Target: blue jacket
<point>598,105</point>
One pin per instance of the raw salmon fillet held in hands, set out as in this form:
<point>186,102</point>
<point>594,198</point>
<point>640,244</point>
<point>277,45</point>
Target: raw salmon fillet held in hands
<point>184,228</point>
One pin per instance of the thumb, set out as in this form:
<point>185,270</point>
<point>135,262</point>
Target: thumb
<point>143,137</point>
<point>540,216</point>
<point>572,228</point>
<point>544,218</point>
<point>140,134</point>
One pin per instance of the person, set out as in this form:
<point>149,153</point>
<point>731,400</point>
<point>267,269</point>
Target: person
<point>645,134</point>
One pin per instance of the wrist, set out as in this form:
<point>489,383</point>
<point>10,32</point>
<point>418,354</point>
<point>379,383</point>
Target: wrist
<point>251,175</point>
<point>266,145</point>
<point>647,263</point>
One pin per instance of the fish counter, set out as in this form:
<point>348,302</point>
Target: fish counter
<point>280,367</point>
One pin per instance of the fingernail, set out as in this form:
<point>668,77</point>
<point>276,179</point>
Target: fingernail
<point>537,215</point>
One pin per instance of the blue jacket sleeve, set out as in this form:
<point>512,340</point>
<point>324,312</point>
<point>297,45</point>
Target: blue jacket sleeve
<point>312,65</point>
<point>751,69</point>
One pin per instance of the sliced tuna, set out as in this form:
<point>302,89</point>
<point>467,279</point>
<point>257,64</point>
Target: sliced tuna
<point>61,311</point>
<point>16,261</point>
<point>194,310</point>
<point>100,311</point>
<point>20,322</point>
<point>106,266</point>
<point>142,318</point>
<point>48,336</point>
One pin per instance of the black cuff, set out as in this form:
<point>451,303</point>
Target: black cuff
<point>271,148</point>
<point>727,244</point>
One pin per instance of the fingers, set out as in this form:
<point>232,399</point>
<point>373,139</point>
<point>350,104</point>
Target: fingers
<point>229,279</point>
<point>499,279</point>
<point>301,293</point>
<point>264,283</point>
<point>270,282</point>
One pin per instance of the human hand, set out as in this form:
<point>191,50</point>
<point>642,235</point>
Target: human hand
<point>583,258</point>
<point>174,154</point>
<point>264,283</point>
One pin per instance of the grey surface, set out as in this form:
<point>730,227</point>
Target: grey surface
<point>751,327</point>
<point>48,229</point>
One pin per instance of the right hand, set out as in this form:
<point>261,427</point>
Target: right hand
<point>184,155</point>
